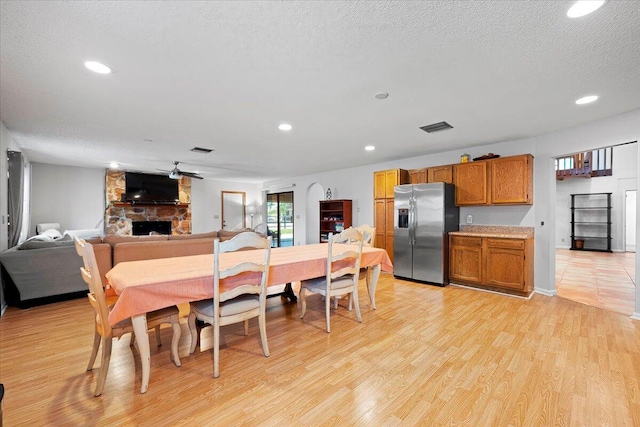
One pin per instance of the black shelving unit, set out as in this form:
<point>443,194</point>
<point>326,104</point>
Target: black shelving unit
<point>591,222</point>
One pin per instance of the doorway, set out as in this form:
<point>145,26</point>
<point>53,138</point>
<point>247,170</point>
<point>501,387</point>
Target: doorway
<point>280,218</point>
<point>233,216</point>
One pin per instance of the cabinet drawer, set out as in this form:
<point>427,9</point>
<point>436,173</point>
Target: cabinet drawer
<point>466,241</point>
<point>506,244</point>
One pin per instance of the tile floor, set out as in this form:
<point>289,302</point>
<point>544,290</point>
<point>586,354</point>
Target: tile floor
<point>600,279</point>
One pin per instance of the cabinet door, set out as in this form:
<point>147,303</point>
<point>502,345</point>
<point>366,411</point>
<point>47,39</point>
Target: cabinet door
<point>471,183</point>
<point>388,235</point>
<point>380,222</point>
<point>504,263</point>
<point>391,180</point>
<point>418,176</point>
<point>465,261</point>
<point>512,180</point>
<point>379,187</point>
<point>440,174</point>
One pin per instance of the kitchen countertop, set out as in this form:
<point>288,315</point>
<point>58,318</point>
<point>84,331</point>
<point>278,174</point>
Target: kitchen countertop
<point>498,231</point>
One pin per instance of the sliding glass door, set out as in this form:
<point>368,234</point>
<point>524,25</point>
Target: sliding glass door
<point>280,218</point>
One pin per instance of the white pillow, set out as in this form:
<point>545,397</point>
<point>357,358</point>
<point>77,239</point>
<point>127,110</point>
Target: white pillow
<point>52,232</point>
<point>40,238</point>
<point>87,233</point>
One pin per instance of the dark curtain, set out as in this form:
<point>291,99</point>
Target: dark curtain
<point>16,195</point>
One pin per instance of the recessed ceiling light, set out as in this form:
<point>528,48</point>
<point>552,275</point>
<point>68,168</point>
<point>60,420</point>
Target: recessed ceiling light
<point>114,165</point>
<point>584,7</point>
<point>382,95</point>
<point>97,67</point>
<point>285,126</point>
<point>586,99</point>
<point>369,148</point>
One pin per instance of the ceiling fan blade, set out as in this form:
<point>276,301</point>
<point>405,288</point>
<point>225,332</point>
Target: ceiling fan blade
<point>190,174</point>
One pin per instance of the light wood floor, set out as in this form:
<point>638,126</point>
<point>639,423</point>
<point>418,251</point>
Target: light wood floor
<point>600,279</point>
<point>427,356</point>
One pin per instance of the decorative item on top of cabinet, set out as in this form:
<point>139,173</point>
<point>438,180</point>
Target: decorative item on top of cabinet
<point>440,174</point>
<point>418,176</point>
<point>335,217</point>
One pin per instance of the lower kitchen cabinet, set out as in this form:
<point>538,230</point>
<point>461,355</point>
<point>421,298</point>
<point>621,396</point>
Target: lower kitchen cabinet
<point>498,264</point>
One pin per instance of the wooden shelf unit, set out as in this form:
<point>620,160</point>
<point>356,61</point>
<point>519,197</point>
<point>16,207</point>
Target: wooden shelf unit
<point>335,216</point>
<point>591,222</point>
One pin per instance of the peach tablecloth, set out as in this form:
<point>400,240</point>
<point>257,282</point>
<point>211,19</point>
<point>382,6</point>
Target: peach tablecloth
<point>144,286</point>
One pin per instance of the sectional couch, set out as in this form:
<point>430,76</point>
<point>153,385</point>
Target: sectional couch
<point>50,271</point>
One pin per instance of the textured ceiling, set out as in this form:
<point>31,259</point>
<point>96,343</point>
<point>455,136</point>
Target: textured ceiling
<point>223,75</point>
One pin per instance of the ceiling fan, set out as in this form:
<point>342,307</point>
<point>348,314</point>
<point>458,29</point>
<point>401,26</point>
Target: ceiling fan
<point>176,173</point>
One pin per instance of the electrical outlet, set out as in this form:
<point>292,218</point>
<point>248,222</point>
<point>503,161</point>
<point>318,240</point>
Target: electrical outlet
<point>216,216</point>
<point>469,219</point>
<point>562,240</point>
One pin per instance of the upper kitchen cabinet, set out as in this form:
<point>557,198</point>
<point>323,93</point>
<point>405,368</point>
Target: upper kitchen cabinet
<point>418,176</point>
<point>512,180</point>
<point>500,181</point>
<point>385,181</point>
<point>472,183</point>
<point>440,174</point>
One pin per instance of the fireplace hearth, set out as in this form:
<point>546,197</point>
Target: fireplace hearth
<point>144,228</point>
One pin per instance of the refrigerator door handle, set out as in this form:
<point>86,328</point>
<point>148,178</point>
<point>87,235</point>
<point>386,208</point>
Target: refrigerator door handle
<point>412,221</point>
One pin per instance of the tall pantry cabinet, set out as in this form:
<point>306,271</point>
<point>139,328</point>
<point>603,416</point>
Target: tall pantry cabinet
<point>383,189</point>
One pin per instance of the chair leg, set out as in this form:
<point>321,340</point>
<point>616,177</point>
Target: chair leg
<point>246,327</point>
<point>262,323</point>
<point>327,308</point>
<point>132,339</point>
<point>302,298</point>
<point>357,305</point>
<point>335,302</point>
<point>177,332</point>
<point>158,339</point>
<point>193,331</point>
<point>94,351</point>
<point>104,366</point>
<point>350,304</point>
<point>216,349</point>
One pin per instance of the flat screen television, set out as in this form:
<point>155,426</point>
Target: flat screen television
<point>147,188</point>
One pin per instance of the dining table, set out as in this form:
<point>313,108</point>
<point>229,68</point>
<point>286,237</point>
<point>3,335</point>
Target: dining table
<point>148,285</point>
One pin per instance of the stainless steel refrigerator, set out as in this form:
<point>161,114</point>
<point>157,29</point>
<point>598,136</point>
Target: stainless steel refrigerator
<point>424,215</point>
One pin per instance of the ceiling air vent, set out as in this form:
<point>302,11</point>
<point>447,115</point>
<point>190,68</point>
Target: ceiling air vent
<point>201,150</point>
<point>435,127</point>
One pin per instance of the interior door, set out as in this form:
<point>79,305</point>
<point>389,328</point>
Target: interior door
<point>233,215</point>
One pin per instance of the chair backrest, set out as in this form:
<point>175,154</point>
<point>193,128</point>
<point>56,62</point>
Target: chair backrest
<point>344,260</point>
<point>368,234</point>
<point>256,285</point>
<point>91,276</point>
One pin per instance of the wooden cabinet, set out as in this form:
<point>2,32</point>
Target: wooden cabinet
<point>501,181</point>
<point>512,180</point>
<point>440,174</point>
<point>466,259</point>
<point>472,183</point>
<point>335,216</point>
<point>498,264</point>
<point>418,176</point>
<point>383,189</point>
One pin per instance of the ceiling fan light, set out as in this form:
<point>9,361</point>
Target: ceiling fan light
<point>174,175</point>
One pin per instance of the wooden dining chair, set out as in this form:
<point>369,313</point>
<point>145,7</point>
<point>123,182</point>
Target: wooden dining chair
<point>343,268</point>
<point>368,239</point>
<point>242,302</point>
<point>104,331</point>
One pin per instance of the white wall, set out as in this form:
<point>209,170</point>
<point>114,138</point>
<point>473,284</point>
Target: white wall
<point>206,203</point>
<point>71,196</point>
<point>623,178</point>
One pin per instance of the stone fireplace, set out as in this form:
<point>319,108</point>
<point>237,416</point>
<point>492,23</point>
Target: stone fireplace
<point>120,216</point>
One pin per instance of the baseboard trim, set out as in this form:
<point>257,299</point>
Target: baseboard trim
<point>635,316</point>
<point>545,292</point>
<point>3,309</point>
<point>490,291</point>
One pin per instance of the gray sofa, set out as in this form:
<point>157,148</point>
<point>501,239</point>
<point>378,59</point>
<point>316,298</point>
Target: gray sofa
<point>41,272</point>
